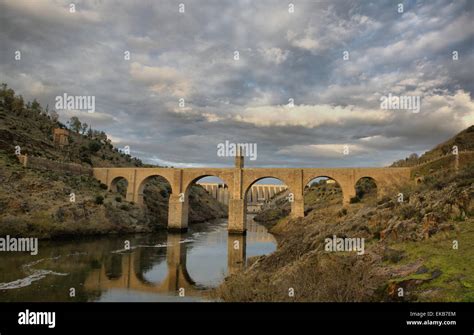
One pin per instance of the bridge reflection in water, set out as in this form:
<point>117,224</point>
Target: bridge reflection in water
<point>127,275</point>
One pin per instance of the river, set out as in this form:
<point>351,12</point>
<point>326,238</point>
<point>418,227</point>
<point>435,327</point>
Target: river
<point>134,268</point>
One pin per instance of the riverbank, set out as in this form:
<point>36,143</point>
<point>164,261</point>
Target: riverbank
<point>408,250</point>
<point>37,203</point>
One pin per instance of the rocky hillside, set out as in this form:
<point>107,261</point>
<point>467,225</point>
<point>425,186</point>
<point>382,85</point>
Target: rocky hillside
<point>318,195</point>
<point>38,202</point>
<point>464,141</point>
<point>419,249</point>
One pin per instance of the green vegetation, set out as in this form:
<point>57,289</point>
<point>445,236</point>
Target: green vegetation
<point>456,279</point>
<point>99,200</point>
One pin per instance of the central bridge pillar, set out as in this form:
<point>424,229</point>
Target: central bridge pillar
<point>237,203</point>
<point>237,216</point>
<point>178,213</point>
<point>236,252</point>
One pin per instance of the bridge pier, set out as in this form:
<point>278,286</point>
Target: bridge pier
<point>236,252</point>
<point>297,208</point>
<point>237,216</point>
<point>383,190</point>
<point>347,194</point>
<point>130,197</point>
<point>178,213</point>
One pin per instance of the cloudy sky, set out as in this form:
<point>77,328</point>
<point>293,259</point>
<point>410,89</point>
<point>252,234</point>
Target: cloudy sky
<point>281,56</point>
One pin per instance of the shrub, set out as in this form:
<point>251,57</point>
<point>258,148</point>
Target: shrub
<point>164,193</point>
<point>94,146</point>
<point>99,200</point>
<point>366,187</point>
<point>85,158</point>
<point>342,212</point>
<point>354,200</point>
<point>118,199</point>
<point>407,212</point>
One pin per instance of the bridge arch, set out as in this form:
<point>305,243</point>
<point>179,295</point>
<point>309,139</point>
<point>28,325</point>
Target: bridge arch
<point>323,187</point>
<point>366,187</point>
<point>254,179</point>
<point>252,194</point>
<point>261,192</point>
<point>146,181</point>
<point>188,200</point>
<point>119,184</point>
<point>191,177</point>
<point>312,176</point>
<point>247,187</point>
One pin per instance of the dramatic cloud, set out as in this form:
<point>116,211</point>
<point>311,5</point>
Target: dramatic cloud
<point>301,85</point>
<point>163,80</point>
<point>311,116</point>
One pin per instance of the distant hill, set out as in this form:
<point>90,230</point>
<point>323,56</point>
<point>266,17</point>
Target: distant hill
<point>464,141</point>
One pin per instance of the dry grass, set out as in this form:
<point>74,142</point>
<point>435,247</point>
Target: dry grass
<point>325,278</point>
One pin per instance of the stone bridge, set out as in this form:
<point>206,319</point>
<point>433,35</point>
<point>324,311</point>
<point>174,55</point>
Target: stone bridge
<point>239,180</point>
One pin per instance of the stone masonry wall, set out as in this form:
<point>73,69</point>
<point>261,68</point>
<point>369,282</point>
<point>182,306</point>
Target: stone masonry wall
<point>46,164</point>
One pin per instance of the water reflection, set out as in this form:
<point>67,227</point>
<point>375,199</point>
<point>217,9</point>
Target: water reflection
<point>159,267</point>
<point>127,273</point>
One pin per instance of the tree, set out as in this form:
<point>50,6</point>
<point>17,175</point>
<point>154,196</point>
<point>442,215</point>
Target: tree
<point>74,124</point>
<point>46,111</point>
<point>36,106</point>
<point>84,128</point>
<point>18,105</point>
<point>94,146</point>
<point>54,116</point>
<point>8,96</point>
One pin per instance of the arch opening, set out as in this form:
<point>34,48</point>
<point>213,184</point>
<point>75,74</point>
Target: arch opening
<point>322,192</point>
<point>267,199</point>
<point>207,198</point>
<point>119,186</point>
<point>365,190</point>
<point>153,195</point>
